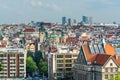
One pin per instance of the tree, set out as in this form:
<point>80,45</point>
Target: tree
<point>117,77</point>
<point>37,57</point>
<point>30,66</point>
<point>30,54</point>
<point>118,46</point>
<point>1,67</point>
<point>43,67</point>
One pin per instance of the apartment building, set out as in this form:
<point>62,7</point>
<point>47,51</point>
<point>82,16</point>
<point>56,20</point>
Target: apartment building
<point>61,62</point>
<point>96,62</point>
<point>14,63</point>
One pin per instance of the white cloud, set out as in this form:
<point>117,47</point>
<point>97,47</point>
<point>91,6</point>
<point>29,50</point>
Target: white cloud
<point>53,6</point>
<point>35,3</point>
<point>39,3</point>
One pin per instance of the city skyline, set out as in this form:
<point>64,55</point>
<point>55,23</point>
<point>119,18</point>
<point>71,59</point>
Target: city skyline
<point>24,11</point>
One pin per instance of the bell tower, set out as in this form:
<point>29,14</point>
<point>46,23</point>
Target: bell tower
<point>41,33</point>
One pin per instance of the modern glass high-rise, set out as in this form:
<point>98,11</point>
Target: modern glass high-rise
<point>90,20</point>
<point>64,20</point>
<point>85,19</point>
<point>70,21</point>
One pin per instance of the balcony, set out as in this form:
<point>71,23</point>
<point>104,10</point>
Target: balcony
<point>12,71</point>
<point>12,64</point>
<point>3,57</point>
<point>21,57</point>
<point>12,57</point>
<point>21,67</point>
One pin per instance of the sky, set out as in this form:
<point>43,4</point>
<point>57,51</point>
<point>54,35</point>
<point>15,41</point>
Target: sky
<point>25,11</point>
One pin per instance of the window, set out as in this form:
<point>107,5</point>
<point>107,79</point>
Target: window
<point>68,56</point>
<point>111,70</point>
<point>21,55</point>
<point>75,55</point>
<point>111,64</point>
<point>59,61</point>
<point>106,76</point>
<point>68,61</point>
<point>111,75</point>
<point>69,74</point>
<point>60,69</point>
<point>68,65</point>
<point>96,49</point>
<point>59,56</point>
<point>12,55</point>
<point>101,49</point>
<point>21,61</point>
<point>59,65</point>
<point>106,70</point>
<point>91,49</point>
<point>59,74</point>
<point>68,69</point>
<point>116,69</point>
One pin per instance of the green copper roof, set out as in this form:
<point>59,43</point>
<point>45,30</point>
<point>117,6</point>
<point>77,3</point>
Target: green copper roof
<point>53,36</point>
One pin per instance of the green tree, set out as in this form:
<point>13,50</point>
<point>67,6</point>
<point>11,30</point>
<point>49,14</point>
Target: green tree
<point>37,57</point>
<point>30,66</point>
<point>43,67</point>
<point>30,54</point>
<point>117,77</point>
<point>1,67</point>
<point>118,46</point>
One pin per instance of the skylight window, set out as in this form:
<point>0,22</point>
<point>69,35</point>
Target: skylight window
<point>96,49</point>
<point>101,48</point>
<point>91,49</point>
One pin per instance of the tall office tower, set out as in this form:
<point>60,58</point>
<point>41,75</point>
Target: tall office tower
<point>90,20</point>
<point>85,19</point>
<point>13,61</point>
<point>70,21</point>
<point>64,20</point>
<point>74,21</point>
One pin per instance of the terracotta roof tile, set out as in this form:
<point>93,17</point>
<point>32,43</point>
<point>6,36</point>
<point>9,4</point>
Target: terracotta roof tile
<point>90,57</point>
<point>101,59</point>
<point>109,49</point>
<point>118,59</point>
<point>29,30</point>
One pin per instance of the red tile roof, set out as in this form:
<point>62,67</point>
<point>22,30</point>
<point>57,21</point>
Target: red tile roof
<point>110,50</point>
<point>29,30</point>
<point>90,57</point>
<point>101,59</point>
<point>118,59</point>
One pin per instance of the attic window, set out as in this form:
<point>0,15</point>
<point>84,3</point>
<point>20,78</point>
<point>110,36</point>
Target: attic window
<point>111,64</point>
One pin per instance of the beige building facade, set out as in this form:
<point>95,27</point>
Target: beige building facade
<point>61,63</point>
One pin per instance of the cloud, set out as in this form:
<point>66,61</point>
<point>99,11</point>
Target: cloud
<point>35,3</point>
<point>39,3</point>
<point>53,6</point>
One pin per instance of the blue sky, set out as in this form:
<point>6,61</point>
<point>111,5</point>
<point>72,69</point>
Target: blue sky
<point>20,11</point>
